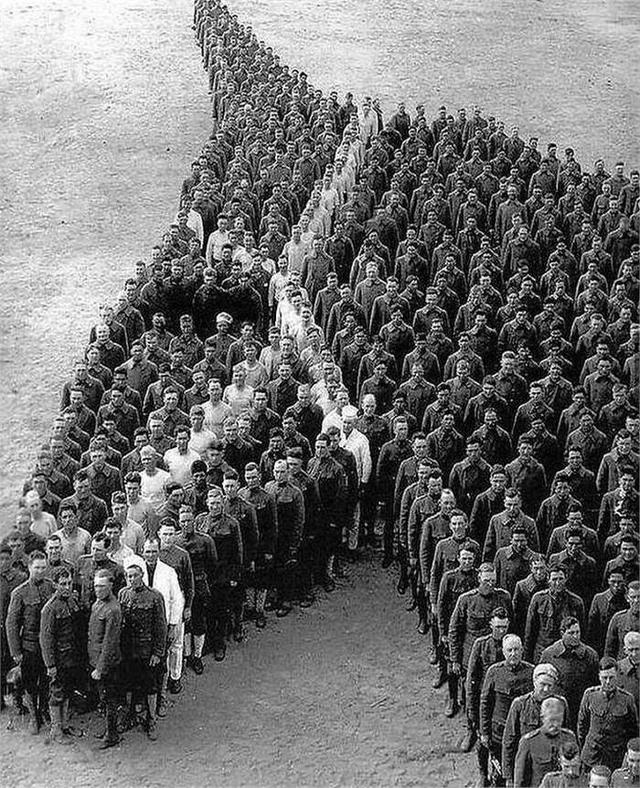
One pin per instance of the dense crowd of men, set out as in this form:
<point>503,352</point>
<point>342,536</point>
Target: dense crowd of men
<point>416,336</point>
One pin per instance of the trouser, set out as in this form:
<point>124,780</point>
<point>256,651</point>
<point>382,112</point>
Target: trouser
<point>389,528</point>
<point>368,513</point>
<point>109,692</point>
<point>306,565</point>
<point>35,682</point>
<point>328,541</point>
<point>351,527</point>
<point>404,580</point>
<point>66,681</point>
<point>287,579</point>
<point>175,652</point>
<point>484,755</point>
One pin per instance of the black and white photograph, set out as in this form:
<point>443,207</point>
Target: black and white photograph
<point>320,384</point>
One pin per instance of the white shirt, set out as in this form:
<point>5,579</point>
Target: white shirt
<point>126,557</point>
<point>332,419</point>
<point>214,416</point>
<point>358,444</point>
<point>215,243</point>
<point>179,465</point>
<point>152,487</point>
<point>295,253</point>
<point>200,441</point>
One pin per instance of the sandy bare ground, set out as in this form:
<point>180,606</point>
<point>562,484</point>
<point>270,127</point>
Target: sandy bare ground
<point>102,105</point>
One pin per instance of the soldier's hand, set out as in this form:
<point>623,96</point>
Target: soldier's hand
<point>154,661</point>
<point>268,557</point>
<point>18,659</point>
<point>52,672</point>
<point>456,668</point>
<point>485,741</point>
<point>252,566</point>
<point>413,562</point>
<point>96,675</point>
<point>186,614</point>
<point>434,610</point>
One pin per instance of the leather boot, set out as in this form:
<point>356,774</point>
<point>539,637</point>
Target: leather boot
<point>467,743</point>
<point>56,735</point>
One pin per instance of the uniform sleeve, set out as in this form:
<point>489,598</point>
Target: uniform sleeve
<point>531,630</point>
<point>472,683</point>
<point>584,719</point>
<point>522,766</point>
<point>47,624</point>
<point>13,624</point>
<point>456,631</point>
<point>487,701</point>
<point>298,525</point>
<point>159,627</point>
<point>510,739</point>
<point>188,581</point>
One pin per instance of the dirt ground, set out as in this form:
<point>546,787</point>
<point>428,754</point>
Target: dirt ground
<point>102,106</point>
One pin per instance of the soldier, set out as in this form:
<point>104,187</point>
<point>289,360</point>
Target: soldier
<point>290,523</point>
<point>485,651</point>
<point>539,751</point>
<point>178,558</point>
<point>503,682</point>
<point>332,483</point>
<point>454,583</point>
<point>60,642</point>
<point>104,652</point>
<point>266,515</point>
<point>629,667</point>
<point>607,719</point>
<point>23,635</point>
<point>603,607</point>
<point>227,538</point>
<point>471,617</point>
<point>536,580</point>
<point>546,611</point>
<point>11,577</point>
<point>623,622</point>
<point>202,552</point>
<point>629,774</point>
<point>570,773</point>
<point>143,641</point>
<point>525,714</point>
<point>576,663</point>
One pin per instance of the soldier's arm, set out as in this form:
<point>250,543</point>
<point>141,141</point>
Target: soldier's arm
<point>521,769</point>
<point>111,639</point>
<point>584,719</point>
<point>510,739</point>
<point>189,583</point>
<point>47,624</point>
<point>159,627</point>
<point>456,627</point>
<point>531,631</point>
<point>13,625</point>
<point>474,672</point>
<point>487,701</point>
<point>299,518</point>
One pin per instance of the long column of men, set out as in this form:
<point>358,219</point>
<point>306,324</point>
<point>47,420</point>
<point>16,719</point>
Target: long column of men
<point>415,338</point>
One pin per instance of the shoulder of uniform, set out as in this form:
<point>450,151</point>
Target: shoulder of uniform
<point>531,735</point>
<point>591,690</point>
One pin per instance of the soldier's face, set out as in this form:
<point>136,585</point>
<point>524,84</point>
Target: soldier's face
<point>466,560</point>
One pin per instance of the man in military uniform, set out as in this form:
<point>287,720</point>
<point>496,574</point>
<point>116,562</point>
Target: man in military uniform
<point>290,523</point>
<point>87,567</point>
<point>11,577</point>
<point>23,635</point>
<point>607,719</point>
<point>525,714</point>
<point>623,622</point>
<point>244,513</point>
<point>104,651</point>
<point>539,751</point>
<point>471,617</point>
<point>576,663</point>
<point>629,667</point>
<point>454,583</point>
<point>264,506</point>
<point>546,611</point>
<point>143,641</point>
<point>332,483</point>
<point>60,642</point>
<point>503,682</point>
<point>178,559</point>
<point>485,651</point>
<point>203,555</point>
<point>629,774</point>
<point>570,774</point>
